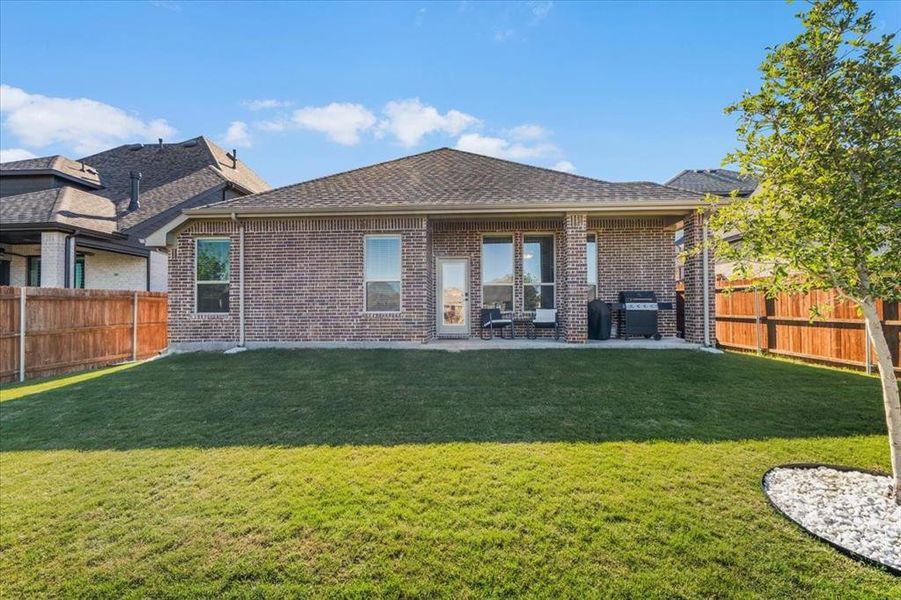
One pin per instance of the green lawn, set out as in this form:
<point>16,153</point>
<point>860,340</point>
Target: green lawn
<point>579,473</point>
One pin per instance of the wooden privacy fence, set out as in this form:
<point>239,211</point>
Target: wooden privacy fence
<point>72,329</point>
<point>747,320</point>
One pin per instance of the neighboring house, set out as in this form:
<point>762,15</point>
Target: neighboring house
<point>68,223</point>
<point>719,182</point>
<point>412,249</point>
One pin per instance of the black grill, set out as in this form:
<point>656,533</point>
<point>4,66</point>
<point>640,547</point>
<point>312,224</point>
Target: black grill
<point>639,314</point>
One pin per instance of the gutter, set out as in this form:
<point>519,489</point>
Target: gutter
<point>638,207</point>
<point>705,265</point>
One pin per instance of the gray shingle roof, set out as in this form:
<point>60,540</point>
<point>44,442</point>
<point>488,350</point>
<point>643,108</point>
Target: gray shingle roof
<point>64,205</point>
<point>174,177</point>
<point>721,182</point>
<point>56,163</point>
<point>447,178</point>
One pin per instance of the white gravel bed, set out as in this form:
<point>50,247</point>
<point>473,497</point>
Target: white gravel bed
<point>849,508</point>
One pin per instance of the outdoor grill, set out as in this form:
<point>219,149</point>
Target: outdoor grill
<point>639,314</point>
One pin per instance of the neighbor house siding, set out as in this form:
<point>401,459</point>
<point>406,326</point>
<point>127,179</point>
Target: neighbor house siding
<point>112,271</point>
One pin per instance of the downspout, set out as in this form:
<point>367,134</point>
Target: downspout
<point>706,279</point>
<point>148,272</point>
<point>240,280</point>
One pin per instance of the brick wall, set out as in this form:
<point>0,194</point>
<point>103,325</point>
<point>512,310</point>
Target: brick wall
<point>636,254</point>
<point>694,285</point>
<point>112,271</point>
<point>463,239</point>
<point>304,277</point>
<point>303,282</point>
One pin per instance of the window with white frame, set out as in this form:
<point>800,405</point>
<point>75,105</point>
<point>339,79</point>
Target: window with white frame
<point>382,273</point>
<point>538,271</point>
<point>591,254</point>
<point>497,272</point>
<point>212,274</point>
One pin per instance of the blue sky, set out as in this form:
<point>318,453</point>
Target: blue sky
<point>618,91</point>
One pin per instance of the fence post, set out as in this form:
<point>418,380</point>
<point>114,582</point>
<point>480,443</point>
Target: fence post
<point>134,329</point>
<point>22,333</point>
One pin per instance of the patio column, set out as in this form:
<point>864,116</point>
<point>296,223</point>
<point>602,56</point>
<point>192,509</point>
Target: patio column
<point>53,259</point>
<point>574,293</point>
<point>694,229</point>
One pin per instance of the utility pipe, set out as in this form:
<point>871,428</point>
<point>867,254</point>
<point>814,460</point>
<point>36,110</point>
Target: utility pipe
<point>240,280</point>
<point>706,279</point>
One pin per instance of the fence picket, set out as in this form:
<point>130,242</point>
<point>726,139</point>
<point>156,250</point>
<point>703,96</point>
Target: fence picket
<point>72,329</point>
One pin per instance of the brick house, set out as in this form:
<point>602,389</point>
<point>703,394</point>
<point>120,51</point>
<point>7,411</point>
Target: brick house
<point>81,223</point>
<point>412,249</point>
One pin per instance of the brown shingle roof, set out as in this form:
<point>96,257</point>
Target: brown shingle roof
<point>174,177</point>
<point>65,206</point>
<point>57,164</point>
<point>449,179</point>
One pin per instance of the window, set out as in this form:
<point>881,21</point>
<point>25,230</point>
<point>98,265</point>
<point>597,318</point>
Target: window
<point>213,268</point>
<point>497,272</point>
<point>382,273</point>
<point>591,253</point>
<point>538,271</point>
<point>79,272</point>
<point>34,271</point>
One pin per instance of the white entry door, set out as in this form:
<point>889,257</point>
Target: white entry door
<point>453,296</point>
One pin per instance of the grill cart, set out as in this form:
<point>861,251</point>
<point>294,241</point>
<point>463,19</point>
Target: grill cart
<point>639,314</point>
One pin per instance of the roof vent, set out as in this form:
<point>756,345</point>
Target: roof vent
<point>134,202</point>
<point>135,147</point>
<point>160,140</point>
<point>189,144</point>
<point>234,157</point>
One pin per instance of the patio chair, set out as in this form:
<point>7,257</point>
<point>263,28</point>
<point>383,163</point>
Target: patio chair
<point>545,318</point>
<point>491,319</point>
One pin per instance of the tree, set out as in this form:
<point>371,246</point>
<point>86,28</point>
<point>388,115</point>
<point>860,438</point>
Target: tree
<point>823,135</point>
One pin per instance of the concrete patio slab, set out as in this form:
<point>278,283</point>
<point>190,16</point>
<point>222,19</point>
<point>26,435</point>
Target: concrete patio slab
<point>458,345</point>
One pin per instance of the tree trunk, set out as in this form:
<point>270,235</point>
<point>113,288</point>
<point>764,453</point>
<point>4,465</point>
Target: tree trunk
<point>889,391</point>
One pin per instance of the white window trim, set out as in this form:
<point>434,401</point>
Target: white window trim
<point>482,283</point>
<point>198,282</point>
<point>522,266</point>
<point>400,280</point>
<point>597,257</point>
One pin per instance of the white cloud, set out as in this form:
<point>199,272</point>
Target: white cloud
<point>264,104</point>
<point>11,154</point>
<point>565,166</point>
<point>502,148</point>
<point>272,125</point>
<point>237,135</point>
<point>410,120</point>
<point>83,124</point>
<point>341,121</point>
<point>502,35</point>
<point>529,131</point>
